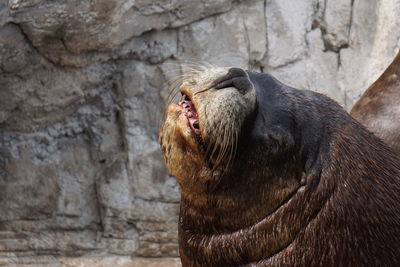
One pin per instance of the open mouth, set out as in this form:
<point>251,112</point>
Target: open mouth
<point>191,114</point>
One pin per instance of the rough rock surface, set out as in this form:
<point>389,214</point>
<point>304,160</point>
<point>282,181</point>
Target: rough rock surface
<point>83,85</point>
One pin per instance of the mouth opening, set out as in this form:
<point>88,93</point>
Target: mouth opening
<point>191,114</point>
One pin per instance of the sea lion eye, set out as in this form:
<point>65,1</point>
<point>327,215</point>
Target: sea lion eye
<point>235,77</point>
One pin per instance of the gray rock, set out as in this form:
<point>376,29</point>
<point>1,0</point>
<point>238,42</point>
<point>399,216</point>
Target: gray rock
<point>143,112</point>
<point>83,87</point>
<point>62,31</point>
<point>374,41</point>
<point>337,20</point>
<point>321,68</point>
<point>287,24</point>
<point>15,52</point>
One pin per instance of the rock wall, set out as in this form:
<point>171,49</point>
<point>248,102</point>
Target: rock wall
<point>83,88</point>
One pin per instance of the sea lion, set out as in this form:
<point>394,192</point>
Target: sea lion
<point>274,176</point>
<point>379,107</point>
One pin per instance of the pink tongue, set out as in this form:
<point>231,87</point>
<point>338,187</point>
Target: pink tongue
<point>191,114</point>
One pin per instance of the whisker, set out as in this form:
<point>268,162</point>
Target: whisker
<point>225,144</point>
<point>197,63</point>
<point>202,91</point>
<point>178,77</point>
<point>181,71</point>
<point>234,144</point>
<point>172,94</point>
<point>214,145</point>
<point>173,90</point>
<point>231,146</point>
<point>229,156</point>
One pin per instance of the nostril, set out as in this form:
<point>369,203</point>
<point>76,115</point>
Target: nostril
<point>236,72</point>
<point>235,77</point>
<point>242,84</point>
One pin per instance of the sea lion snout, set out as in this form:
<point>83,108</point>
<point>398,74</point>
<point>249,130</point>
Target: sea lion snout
<point>237,78</point>
<point>215,104</point>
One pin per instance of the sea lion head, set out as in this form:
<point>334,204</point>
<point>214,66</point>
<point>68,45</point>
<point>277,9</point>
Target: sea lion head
<point>200,133</point>
<point>230,121</point>
<point>241,145</point>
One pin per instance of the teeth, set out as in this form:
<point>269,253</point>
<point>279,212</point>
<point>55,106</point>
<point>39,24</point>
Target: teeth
<point>184,97</point>
<point>191,114</point>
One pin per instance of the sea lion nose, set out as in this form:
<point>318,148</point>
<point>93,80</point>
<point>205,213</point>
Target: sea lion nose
<point>235,77</point>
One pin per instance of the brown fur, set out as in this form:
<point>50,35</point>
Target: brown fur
<point>379,107</point>
<point>308,186</point>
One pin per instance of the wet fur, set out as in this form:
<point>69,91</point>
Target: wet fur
<point>379,107</point>
<point>308,186</point>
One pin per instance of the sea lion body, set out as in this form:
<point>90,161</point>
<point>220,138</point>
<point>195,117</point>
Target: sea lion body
<point>379,107</point>
<point>297,183</point>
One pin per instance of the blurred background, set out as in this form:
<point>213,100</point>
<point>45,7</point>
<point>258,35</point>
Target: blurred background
<point>83,86</point>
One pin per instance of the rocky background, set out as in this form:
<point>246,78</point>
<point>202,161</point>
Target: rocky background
<point>83,85</point>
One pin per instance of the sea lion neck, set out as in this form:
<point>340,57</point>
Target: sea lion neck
<point>236,199</point>
<point>255,235</point>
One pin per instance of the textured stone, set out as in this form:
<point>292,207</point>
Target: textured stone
<point>321,67</point>
<point>287,24</point>
<point>154,47</point>
<point>337,21</point>
<point>90,261</point>
<point>374,42</point>
<point>44,94</point>
<point>63,31</point>
<point>144,108</point>
<point>15,53</point>
<point>83,86</point>
<point>231,39</point>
